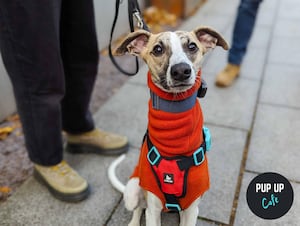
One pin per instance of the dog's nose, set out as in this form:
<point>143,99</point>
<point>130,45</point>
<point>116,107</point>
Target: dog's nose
<point>181,71</point>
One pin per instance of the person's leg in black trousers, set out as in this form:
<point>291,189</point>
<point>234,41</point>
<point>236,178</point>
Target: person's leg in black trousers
<point>80,57</point>
<point>50,51</point>
<point>30,50</point>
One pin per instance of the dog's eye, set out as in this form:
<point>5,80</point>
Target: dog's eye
<point>192,47</point>
<point>158,50</point>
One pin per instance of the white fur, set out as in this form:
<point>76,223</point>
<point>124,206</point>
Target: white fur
<point>153,211</point>
<point>132,194</point>
<point>178,56</point>
<point>112,174</point>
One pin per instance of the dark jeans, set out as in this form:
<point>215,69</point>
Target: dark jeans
<point>49,48</point>
<point>244,25</point>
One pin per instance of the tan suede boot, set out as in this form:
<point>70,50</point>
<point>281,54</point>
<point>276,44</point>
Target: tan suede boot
<point>97,141</point>
<point>228,75</point>
<point>62,181</point>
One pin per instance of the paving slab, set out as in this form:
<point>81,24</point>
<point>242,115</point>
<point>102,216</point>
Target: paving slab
<point>216,14</point>
<point>231,107</point>
<point>214,21</point>
<point>289,9</point>
<point>215,61</point>
<point>267,13</point>
<point>274,145</point>
<point>260,38</point>
<point>244,216</point>
<point>141,77</point>
<point>126,113</point>
<point>219,7</point>
<point>252,65</point>
<point>224,165</point>
<point>281,85</point>
<point>285,50</point>
<point>32,204</point>
<point>287,28</point>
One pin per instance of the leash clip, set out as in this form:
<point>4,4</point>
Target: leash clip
<point>139,19</point>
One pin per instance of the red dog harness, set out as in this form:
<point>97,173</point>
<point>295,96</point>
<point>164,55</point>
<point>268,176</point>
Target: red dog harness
<point>172,172</point>
<point>172,162</point>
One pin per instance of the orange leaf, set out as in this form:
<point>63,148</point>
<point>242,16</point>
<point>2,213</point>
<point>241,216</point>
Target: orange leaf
<point>4,132</point>
<point>5,190</point>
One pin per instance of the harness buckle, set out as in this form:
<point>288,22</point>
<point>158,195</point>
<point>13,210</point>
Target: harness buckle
<point>207,138</point>
<point>153,156</point>
<point>173,207</point>
<point>198,156</point>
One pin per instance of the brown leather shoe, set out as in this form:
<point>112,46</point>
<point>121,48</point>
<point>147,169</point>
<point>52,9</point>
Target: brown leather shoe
<point>62,181</point>
<point>228,75</point>
<point>97,141</point>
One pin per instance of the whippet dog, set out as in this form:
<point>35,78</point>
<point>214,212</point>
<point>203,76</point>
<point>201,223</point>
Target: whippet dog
<point>172,172</point>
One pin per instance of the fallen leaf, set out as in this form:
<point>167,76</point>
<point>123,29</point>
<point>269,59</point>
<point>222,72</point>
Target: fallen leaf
<point>4,131</point>
<point>5,190</point>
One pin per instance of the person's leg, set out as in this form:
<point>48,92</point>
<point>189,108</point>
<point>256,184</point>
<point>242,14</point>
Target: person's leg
<point>243,28</point>
<point>30,48</point>
<point>29,40</point>
<point>80,56</point>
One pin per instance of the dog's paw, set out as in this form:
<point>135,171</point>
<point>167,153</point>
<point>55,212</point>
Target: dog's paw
<point>132,194</point>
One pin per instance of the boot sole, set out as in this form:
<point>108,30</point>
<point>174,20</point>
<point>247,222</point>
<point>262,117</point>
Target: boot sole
<point>85,148</point>
<point>77,197</point>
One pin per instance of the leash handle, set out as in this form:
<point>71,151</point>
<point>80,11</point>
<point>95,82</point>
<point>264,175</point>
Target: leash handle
<point>133,10</point>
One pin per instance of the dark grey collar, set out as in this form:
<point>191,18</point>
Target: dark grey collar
<point>173,106</point>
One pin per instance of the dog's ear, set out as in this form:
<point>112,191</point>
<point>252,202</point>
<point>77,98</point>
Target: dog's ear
<point>134,43</point>
<point>209,38</point>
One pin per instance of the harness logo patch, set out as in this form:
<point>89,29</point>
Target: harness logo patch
<point>168,178</point>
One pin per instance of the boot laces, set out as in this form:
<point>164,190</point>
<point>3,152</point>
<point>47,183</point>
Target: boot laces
<point>62,168</point>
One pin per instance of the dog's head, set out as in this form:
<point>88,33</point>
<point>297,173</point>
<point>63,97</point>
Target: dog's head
<point>173,58</point>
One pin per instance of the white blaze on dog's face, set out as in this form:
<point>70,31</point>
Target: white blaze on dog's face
<point>173,58</point>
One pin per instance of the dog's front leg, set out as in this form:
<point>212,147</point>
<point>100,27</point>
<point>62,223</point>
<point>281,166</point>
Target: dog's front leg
<point>136,217</point>
<point>189,216</point>
<point>153,211</point>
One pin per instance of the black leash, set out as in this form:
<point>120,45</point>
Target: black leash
<point>133,11</point>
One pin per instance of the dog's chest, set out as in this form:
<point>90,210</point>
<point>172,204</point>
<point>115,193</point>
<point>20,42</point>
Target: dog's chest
<point>178,133</point>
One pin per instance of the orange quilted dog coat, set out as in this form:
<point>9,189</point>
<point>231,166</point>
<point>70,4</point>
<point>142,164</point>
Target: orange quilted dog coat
<point>174,134</point>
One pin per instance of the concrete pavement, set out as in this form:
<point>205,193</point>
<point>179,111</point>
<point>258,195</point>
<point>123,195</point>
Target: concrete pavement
<point>255,126</point>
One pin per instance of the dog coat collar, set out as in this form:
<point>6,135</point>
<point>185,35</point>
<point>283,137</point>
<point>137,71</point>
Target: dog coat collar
<point>174,134</point>
<point>172,106</point>
<point>175,103</point>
